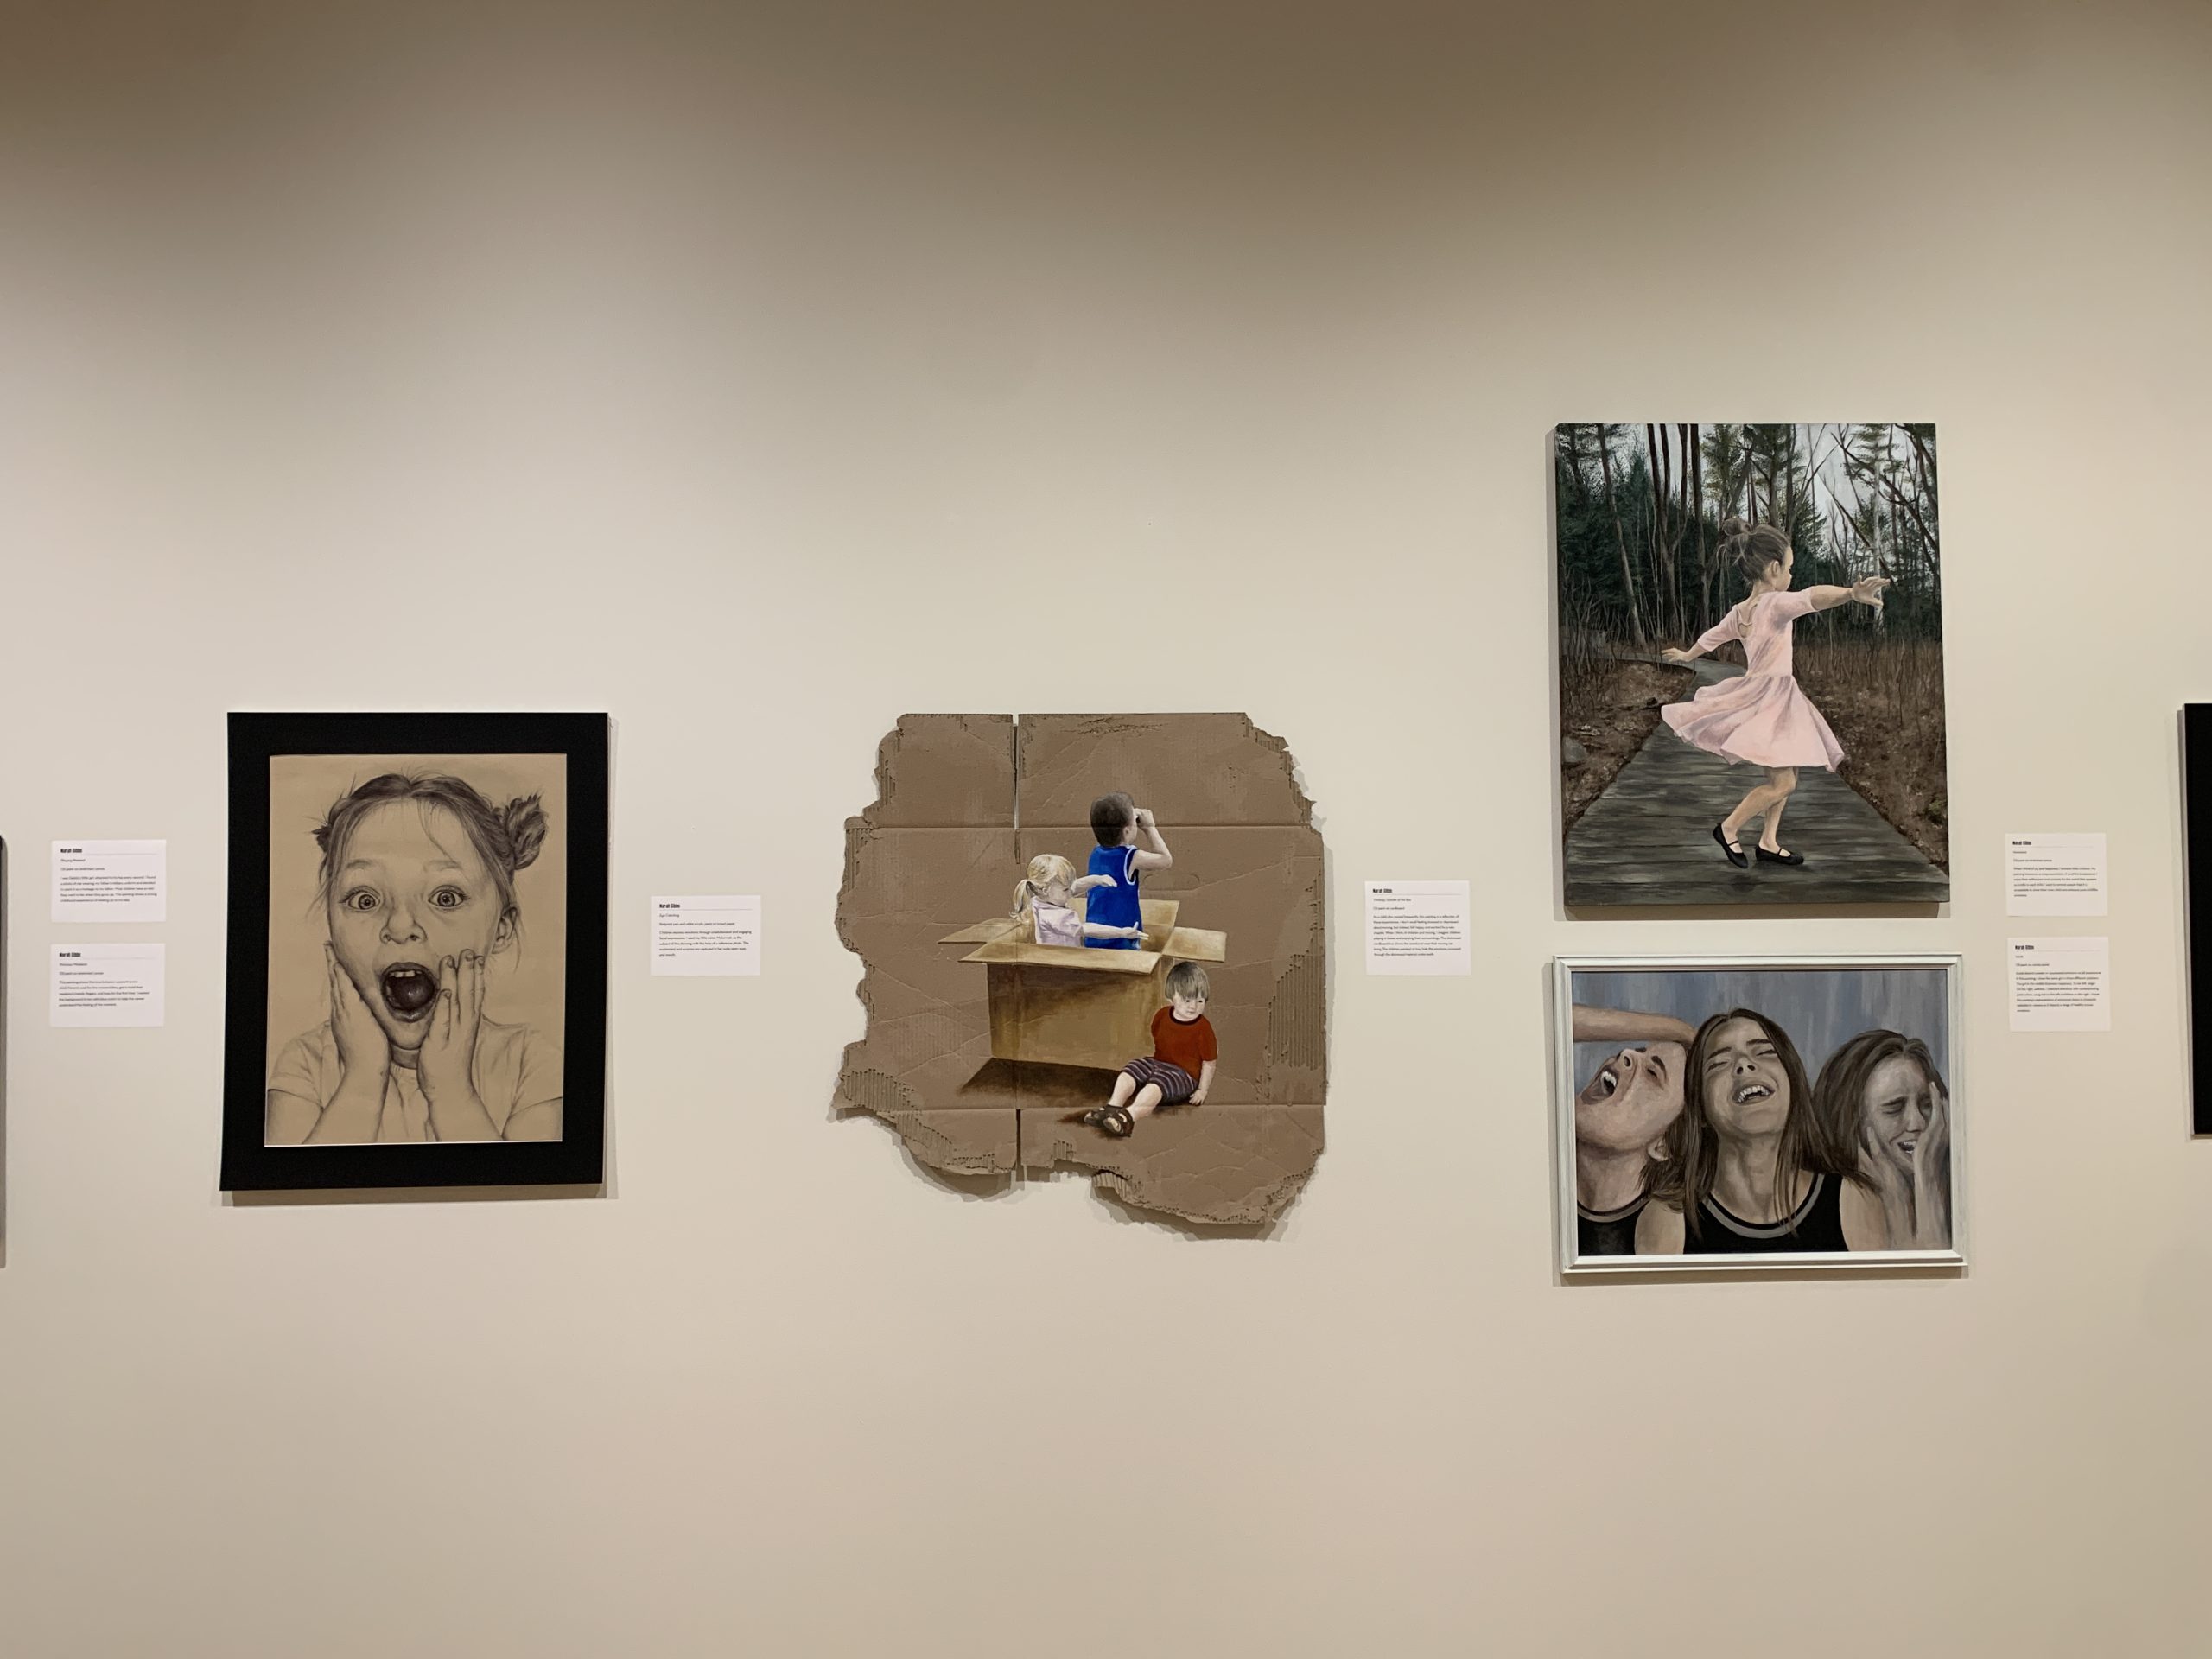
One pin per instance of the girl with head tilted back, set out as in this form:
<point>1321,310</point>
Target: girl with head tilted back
<point>418,890</point>
<point>1762,716</point>
<point>1881,1099</point>
<point>1747,1169</point>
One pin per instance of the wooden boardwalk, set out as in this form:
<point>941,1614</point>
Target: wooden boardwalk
<point>1648,840</point>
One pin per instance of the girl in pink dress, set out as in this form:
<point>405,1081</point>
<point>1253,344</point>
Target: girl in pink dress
<point>1762,716</point>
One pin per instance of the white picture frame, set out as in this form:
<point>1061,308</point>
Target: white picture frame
<point>1882,989</point>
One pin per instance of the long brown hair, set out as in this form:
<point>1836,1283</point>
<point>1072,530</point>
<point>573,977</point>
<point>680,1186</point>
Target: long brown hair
<point>1684,1177</point>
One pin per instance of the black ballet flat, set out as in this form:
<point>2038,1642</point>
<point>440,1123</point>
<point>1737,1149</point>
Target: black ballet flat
<point>1734,854</point>
<point>1790,859</point>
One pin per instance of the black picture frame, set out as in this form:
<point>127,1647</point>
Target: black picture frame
<point>577,1157</point>
<point>2196,831</point>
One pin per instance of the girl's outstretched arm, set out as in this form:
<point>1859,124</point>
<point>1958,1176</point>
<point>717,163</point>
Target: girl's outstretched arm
<point>1085,883</point>
<point>1867,590</point>
<point>1594,1025</point>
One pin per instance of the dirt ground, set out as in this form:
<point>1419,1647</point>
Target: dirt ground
<point>1610,708</point>
<point>1893,746</point>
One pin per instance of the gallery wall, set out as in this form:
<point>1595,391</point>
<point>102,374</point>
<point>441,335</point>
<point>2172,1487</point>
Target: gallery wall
<point>761,373</point>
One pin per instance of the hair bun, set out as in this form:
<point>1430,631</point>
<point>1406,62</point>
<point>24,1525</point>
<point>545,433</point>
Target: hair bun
<point>1732,528</point>
<point>523,819</point>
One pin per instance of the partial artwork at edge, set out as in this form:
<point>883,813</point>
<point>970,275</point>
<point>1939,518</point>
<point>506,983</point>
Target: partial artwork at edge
<point>1750,643</point>
<point>2196,797</point>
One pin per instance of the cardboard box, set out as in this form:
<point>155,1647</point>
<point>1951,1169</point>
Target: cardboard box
<point>1078,1005</point>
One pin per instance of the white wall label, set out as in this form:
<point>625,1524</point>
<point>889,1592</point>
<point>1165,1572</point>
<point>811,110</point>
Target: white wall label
<point>702,935</point>
<point>110,881</point>
<point>106,985</point>
<point>2061,984</point>
<point>1418,927</point>
<point>2055,875</point>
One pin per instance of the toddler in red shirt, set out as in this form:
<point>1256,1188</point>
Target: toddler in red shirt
<point>1180,1069</point>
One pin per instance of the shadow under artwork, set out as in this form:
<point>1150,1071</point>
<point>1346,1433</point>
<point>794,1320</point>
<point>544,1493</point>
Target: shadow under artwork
<point>2196,830</point>
<point>1750,643</point>
<point>1097,941</point>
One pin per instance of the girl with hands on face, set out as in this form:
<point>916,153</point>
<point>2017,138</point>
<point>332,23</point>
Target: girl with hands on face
<point>1881,1099</point>
<point>417,885</point>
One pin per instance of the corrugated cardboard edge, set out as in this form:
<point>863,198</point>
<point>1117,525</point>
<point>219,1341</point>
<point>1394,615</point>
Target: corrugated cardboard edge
<point>985,1143</point>
<point>1179,1163</point>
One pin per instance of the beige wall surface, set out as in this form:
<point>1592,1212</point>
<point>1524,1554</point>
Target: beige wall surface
<point>761,372</point>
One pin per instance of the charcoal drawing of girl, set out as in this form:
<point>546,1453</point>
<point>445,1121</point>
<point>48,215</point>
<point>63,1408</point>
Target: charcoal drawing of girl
<point>417,892</point>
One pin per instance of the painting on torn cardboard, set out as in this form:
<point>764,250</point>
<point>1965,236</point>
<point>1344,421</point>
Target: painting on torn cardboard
<point>1154,1014</point>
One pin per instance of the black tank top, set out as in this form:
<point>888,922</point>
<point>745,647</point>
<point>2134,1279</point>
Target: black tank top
<point>1607,1232</point>
<point>1816,1225</point>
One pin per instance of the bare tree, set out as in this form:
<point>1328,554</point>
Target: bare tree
<point>1694,492</point>
<point>1620,540</point>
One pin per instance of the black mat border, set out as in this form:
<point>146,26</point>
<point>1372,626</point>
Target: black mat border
<point>578,1158</point>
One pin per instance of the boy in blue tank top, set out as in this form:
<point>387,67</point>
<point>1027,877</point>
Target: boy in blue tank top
<point>1129,843</point>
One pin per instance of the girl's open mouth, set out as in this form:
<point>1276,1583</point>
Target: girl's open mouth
<point>1750,1091</point>
<point>409,990</point>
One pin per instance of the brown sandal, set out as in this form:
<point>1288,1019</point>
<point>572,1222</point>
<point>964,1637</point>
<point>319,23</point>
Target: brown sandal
<point>1111,1120</point>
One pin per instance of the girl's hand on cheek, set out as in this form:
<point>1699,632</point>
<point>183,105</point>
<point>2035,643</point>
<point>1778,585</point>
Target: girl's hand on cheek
<point>1931,1155</point>
<point>1876,1161</point>
<point>362,1049</point>
<point>447,1061</point>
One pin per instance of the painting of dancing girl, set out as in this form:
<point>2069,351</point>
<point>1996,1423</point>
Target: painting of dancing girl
<point>1749,625</point>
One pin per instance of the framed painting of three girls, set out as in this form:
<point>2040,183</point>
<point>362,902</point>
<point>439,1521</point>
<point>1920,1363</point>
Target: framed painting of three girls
<point>1758,1112</point>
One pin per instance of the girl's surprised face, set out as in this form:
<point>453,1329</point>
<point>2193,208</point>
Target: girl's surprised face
<point>411,891</point>
<point>1746,1091</point>
<point>1054,891</point>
